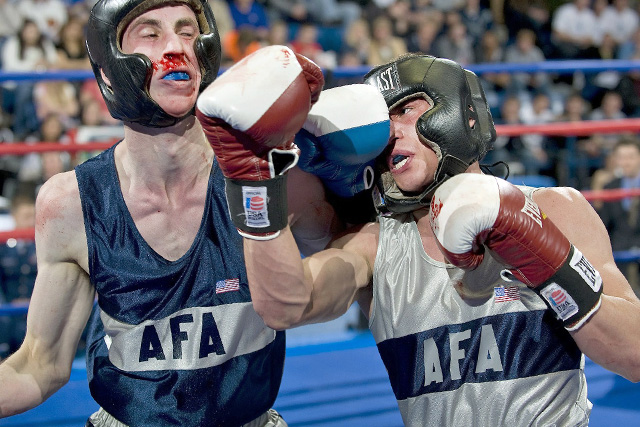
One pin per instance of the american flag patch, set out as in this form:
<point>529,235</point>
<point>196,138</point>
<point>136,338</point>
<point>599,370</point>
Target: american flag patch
<point>509,293</point>
<point>227,285</point>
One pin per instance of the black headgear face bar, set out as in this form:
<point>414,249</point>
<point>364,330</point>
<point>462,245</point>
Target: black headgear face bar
<point>457,102</point>
<point>127,95</point>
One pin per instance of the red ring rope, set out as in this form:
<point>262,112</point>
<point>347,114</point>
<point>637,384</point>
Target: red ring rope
<point>40,147</point>
<point>604,195</point>
<point>583,128</point>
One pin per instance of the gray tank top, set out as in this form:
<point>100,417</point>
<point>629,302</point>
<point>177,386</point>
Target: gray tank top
<point>496,361</point>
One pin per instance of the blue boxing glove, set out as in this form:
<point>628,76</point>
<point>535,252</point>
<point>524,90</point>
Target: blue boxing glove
<point>343,134</point>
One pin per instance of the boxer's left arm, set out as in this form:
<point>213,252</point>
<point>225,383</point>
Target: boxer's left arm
<point>541,243</point>
<point>61,303</point>
<point>611,337</point>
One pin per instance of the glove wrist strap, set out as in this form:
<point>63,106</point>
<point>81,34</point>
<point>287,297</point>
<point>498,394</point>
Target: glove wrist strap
<point>258,209</point>
<point>574,293</point>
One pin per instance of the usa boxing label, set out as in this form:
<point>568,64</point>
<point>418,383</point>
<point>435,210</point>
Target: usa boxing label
<point>255,206</point>
<point>560,301</point>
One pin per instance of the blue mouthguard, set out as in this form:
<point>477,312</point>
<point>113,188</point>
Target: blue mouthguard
<point>176,75</point>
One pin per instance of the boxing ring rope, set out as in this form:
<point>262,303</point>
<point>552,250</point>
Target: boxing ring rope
<point>583,128</point>
<point>587,66</point>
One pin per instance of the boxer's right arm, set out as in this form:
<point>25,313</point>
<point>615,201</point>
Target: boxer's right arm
<point>345,130</point>
<point>60,305</point>
<point>250,116</point>
<point>288,291</point>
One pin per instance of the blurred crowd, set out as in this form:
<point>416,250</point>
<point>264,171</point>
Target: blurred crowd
<point>41,35</point>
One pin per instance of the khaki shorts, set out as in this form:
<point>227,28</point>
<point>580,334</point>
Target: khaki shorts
<point>271,418</point>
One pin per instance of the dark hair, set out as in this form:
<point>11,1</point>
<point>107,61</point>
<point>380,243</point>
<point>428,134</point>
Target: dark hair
<point>627,140</point>
<point>39,42</point>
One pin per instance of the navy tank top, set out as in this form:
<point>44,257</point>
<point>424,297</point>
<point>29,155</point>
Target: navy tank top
<point>173,343</point>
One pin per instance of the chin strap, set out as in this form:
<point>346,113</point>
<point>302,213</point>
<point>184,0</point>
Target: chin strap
<point>489,169</point>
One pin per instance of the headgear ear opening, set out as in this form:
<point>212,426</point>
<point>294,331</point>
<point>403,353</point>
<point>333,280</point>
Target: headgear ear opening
<point>127,94</point>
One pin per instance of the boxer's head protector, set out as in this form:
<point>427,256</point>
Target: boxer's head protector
<point>458,126</point>
<point>127,94</point>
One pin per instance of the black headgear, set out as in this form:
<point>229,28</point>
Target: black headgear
<point>456,97</point>
<point>127,96</point>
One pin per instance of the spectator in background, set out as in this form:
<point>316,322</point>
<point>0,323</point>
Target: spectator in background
<point>455,44</point>
<point>17,270</point>
<point>339,13</point>
<point>477,19</point>
<point>384,46</point>
<point>49,15</point>
<point>423,38</point>
<point>494,84</point>
<point>609,109</point>
<point>357,39</point>
<point>90,92</point>
<point>72,53</point>
<point>622,217</point>
<point>347,58</point>
<point>57,97</point>
<point>10,20</point>
<point>523,154</point>
<point>278,33</point>
<point>596,84</point>
<point>94,128</point>
<point>540,159</point>
<point>575,109</point>
<point>573,26</point>
<point>402,18</point>
<point>36,167</point>
<point>80,9</point>
<point>626,19</point>
<point>591,152</point>
<point>250,15</point>
<point>602,176</point>
<point>447,5</point>
<point>239,43</point>
<point>605,20</point>
<point>224,21</point>
<point>306,43</point>
<point>289,11</point>
<point>29,50</point>
<point>17,256</point>
<point>508,149</point>
<point>425,9</point>
<point>630,49</point>
<point>490,49</point>
<point>8,164</point>
<point>629,90</point>
<point>531,14</point>
<point>525,51</point>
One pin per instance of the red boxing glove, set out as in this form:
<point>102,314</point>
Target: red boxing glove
<point>472,211</point>
<point>250,115</point>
